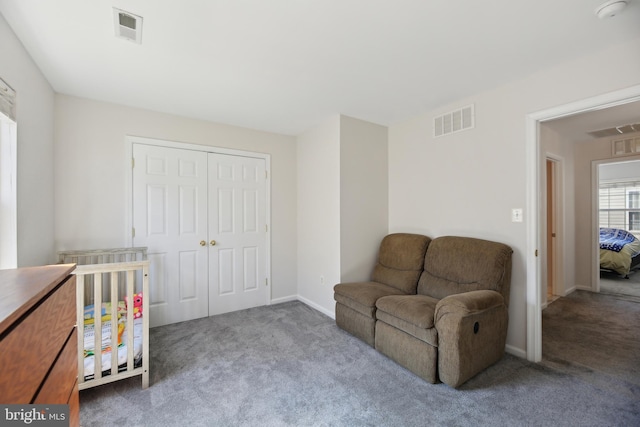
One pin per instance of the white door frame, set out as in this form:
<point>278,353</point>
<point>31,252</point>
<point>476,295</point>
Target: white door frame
<point>128,193</point>
<point>595,223</point>
<point>534,159</point>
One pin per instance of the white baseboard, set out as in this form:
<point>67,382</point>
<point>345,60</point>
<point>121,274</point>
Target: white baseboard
<point>516,351</point>
<point>315,306</point>
<point>284,299</point>
<point>305,301</point>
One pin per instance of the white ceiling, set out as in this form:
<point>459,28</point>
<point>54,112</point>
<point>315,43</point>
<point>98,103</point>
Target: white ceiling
<point>285,65</point>
<point>576,128</point>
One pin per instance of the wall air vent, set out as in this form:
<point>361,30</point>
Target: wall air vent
<point>454,121</point>
<point>625,146</point>
<point>127,25</point>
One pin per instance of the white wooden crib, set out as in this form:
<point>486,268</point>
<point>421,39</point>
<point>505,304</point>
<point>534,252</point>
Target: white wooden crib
<point>107,276</point>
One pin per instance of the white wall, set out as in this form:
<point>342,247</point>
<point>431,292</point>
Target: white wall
<point>364,194</point>
<point>467,183</point>
<point>555,147</point>
<point>342,205</point>
<point>90,171</point>
<point>34,116</point>
<point>319,214</point>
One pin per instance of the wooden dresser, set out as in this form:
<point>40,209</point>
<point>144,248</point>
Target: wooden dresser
<point>38,342</point>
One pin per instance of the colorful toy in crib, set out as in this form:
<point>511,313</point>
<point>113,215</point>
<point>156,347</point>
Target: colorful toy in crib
<point>137,305</point>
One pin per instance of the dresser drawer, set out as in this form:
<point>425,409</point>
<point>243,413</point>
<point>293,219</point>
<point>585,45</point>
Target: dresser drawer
<point>29,349</point>
<point>60,381</point>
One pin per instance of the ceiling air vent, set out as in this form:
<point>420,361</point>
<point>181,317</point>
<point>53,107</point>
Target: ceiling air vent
<point>454,121</point>
<point>127,25</point>
<point>615,131</point>
<point>7,100</point>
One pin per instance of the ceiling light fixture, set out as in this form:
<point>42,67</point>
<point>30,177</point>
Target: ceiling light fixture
<point>610,8</point>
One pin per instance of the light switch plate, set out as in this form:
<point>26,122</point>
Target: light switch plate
<point>516,215</point>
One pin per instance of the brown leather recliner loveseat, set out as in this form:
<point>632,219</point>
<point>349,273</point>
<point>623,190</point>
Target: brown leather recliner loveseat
<point>437,307</point>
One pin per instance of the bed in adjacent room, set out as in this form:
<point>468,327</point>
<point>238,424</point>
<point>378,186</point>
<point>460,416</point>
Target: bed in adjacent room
<point>619,251</point>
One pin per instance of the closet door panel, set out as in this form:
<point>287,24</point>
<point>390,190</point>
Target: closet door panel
<point>237,218</point>
<point>170,219</point>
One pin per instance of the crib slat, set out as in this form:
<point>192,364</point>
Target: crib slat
<point>114,323</point>
<point>130,327</point>
<point>97,324</point>
<point>145,325</point>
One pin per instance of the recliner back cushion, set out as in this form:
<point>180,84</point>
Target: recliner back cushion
<point>461,264</point>
<point>400,261</point>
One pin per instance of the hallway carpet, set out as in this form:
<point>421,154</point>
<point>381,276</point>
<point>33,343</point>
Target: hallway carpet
<point>289,365</point>
<point>614,284</point>
<point>595,333</point>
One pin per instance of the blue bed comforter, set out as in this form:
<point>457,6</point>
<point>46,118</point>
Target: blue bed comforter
<point>614,239</point>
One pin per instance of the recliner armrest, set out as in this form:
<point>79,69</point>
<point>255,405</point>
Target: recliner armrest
<point>472,330</point>
<point>468,303</point>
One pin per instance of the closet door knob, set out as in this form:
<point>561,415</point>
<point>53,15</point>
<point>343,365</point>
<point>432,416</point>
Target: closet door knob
<point>203,243</point>
<point>213,243</point>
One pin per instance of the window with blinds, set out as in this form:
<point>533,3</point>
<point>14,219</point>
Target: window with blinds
<point>620,205</point>
<point>8,193</point>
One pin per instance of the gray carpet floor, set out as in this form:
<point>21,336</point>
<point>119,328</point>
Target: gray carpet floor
<point>591,333</point>
<point>289,365</point>
<point>613,284</point>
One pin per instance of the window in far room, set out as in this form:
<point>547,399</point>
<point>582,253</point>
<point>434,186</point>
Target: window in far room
<point>633,205</point>
<point>620,205</point>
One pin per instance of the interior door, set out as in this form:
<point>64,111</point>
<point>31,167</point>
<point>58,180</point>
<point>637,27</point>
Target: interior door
<point>551,229</point>
<point>237,233</point>
<point>170,219</point>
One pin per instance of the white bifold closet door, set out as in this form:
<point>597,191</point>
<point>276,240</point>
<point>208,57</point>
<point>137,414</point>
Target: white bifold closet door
<point>237,230</point>
<point>203,218</point>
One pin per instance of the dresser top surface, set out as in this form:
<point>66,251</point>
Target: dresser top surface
<point>22,288</point>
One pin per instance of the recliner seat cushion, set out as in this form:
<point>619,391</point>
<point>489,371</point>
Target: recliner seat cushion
<point>362,296</point>
<point>398,267</point>
<point>413,314</point>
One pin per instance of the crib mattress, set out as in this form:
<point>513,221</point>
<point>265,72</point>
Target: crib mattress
<point>89,360</point>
